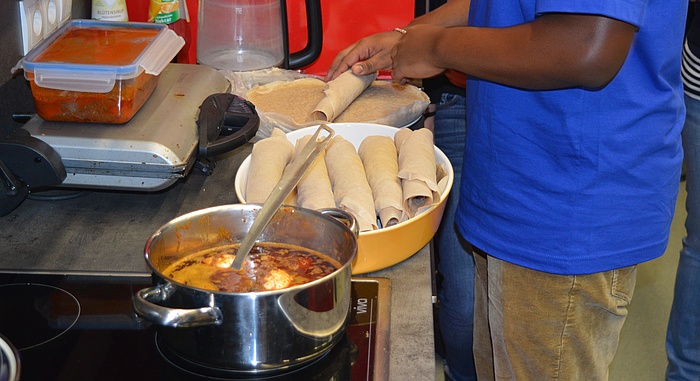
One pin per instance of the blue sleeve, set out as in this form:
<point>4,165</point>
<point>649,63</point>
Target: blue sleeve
<point>630,11</point>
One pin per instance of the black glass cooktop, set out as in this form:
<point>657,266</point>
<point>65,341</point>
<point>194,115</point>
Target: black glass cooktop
<point>82,327</point>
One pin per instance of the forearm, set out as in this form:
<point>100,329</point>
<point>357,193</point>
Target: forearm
<point>375,50</point>
<point>553,52</point>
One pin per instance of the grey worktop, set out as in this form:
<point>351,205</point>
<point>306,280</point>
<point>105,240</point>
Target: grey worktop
<point>412,341</point>
<point>105,232</point>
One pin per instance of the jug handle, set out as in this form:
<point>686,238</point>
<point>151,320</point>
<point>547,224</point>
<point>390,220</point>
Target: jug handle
<point>314,26</point>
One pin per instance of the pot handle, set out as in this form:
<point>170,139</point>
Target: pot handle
<point>172,317</point>
<point>345,217</point>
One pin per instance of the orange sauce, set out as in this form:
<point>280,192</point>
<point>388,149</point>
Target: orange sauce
<point>100,46</point>
<point>115,107</point>
<point>269,266</point>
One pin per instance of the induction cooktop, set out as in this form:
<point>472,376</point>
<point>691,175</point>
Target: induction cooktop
<point>82,327</point>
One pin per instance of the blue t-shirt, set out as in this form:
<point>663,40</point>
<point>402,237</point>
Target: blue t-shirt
<point>578,181</point>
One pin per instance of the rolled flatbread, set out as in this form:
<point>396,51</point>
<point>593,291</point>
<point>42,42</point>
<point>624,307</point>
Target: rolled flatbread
<point>339,93</point>
<point>314,190</point>
<point>417,169</point>
<point>267,162</point>
<point>349,181</point>
<point>378,154</point>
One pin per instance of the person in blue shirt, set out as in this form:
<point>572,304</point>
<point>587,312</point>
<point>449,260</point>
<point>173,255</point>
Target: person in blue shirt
<point>571,164</point>
<point>683,335</point>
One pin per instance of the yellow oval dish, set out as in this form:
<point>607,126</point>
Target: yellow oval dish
<point>382,248</point>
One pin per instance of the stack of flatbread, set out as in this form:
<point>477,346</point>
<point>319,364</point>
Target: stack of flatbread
<point>304,102</point>
<point>383,182</point>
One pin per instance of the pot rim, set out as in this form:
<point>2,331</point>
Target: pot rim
<point>10,357</point>
<point>201,212</point>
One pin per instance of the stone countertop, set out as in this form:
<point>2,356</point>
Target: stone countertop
<point>105,232</point>
<point>412,340</point>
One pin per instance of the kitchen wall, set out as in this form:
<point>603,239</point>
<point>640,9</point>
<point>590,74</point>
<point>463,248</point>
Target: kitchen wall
<point>15,95</point>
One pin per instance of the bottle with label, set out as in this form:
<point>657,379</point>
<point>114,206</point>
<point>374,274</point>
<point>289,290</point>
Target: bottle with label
<point>109,10</point>
<point>165,11</point>
<point>175,14</point>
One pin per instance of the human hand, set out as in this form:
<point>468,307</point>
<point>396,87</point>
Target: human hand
<point>366,56</point>
<point>414,57</point>
<point>429,117</point>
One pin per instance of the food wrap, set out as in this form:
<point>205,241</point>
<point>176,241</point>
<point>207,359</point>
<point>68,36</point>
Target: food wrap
<point>417,169</point>
<point>314,190</point>
<point>267,162</point>
<point>285,99</point>
<point>380,159</point>
<point>349,181</point>
<point>339,94</point>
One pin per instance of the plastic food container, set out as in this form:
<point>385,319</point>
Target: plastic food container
<point>98,71</point>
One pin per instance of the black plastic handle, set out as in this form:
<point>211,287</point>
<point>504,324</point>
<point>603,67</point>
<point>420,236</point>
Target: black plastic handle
<point>226,121</point>
<point>314,36</point>
<point>32,160</point>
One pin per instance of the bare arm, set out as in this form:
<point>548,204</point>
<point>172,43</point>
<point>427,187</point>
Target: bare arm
<point>554,51</point>
<point>374,52</point>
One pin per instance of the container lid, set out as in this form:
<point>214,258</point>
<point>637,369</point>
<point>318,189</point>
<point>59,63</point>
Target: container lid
<point>91,55</point>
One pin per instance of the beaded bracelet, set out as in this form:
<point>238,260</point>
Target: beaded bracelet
<point>400,30</point>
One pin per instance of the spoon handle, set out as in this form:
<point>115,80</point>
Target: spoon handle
<point>290,178</point>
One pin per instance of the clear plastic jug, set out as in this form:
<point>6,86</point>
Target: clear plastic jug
<point>243,35</point>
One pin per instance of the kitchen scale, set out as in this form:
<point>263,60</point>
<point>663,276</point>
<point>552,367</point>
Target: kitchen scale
<point>190,118</point>
<point>82,327</point>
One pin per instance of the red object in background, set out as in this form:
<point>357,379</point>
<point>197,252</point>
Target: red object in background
<point>344,22</point>
<point>138,11</point>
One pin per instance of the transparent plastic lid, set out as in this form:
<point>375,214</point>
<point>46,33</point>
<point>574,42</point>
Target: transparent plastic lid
<point>91,55</point>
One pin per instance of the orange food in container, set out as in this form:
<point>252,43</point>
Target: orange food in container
<point>98,71</point>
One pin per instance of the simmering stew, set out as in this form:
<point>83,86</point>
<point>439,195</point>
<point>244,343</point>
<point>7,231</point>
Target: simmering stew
<point>269,266</point>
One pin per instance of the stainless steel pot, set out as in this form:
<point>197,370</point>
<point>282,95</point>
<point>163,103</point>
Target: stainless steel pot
<point>255,332</point>
<point>9,361</point>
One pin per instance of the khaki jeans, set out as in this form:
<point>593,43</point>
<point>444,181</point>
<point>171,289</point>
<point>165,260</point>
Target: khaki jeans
<point>534,326</point>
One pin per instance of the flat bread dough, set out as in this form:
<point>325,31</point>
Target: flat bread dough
<point>288,102</point>
<point>289,105</point>
<point>387,103</point>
